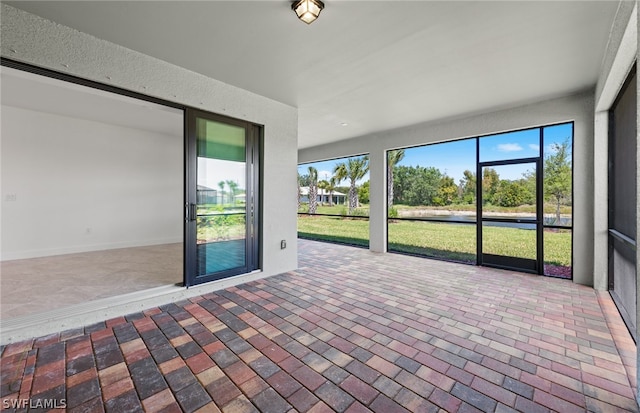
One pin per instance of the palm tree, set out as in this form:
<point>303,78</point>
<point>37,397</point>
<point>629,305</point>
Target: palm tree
<point>353,170</point>
<point>393,158</point>
<point>331,187</point>
<point>324,185</point>
<point>313,190</point>
<point>232,191</point>
<point>221,186</point>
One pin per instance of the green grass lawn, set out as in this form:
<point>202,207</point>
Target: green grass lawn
<point>335,229</point>
<point>449,241</point>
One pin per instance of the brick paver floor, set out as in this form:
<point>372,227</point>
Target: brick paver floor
<point>350,331</point>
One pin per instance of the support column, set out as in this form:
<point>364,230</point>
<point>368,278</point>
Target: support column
<point>378,201</point>
<point>600,201</point>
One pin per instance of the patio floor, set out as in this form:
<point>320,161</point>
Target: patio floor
<point>352,331</point>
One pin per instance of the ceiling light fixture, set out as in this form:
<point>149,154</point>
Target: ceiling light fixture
<point>307,10</point>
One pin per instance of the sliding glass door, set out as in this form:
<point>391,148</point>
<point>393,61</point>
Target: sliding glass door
<point>222,195</point>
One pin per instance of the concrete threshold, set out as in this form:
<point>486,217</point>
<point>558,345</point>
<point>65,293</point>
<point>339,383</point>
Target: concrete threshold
<point>81,315</point>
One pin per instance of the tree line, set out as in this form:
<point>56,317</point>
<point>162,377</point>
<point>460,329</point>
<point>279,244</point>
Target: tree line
<point>428,186</point>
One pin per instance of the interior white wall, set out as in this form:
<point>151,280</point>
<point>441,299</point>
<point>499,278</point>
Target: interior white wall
<point>34,40</point>
<point>577,108</point>
<point>74,185</point>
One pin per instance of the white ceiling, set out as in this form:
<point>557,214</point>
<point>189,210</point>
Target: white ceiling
<point>29,91</point>
<point>374,65</point>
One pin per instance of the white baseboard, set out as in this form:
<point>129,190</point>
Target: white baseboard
<point>27,254</point>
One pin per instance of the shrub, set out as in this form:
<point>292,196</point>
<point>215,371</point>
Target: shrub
<point>360,212</point>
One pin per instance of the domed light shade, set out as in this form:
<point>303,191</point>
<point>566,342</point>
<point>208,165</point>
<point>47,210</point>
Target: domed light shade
<point>308,10</point>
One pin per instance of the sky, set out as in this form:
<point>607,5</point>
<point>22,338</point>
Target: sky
<point>212,171</point>
<point>453,158</point>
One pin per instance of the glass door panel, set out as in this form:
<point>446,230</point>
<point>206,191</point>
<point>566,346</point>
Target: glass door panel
<point>221,188</point>
<point>510,221</point>
<point>221,218</point>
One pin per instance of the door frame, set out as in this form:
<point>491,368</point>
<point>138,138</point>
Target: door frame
<point>253,156</point>
<point>512,263</point>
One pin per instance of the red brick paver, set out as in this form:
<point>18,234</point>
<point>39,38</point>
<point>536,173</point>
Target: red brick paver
<point>350,331</point>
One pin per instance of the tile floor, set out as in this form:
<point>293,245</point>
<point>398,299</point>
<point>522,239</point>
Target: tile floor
<point>63,280</point>
<point>350,331</point>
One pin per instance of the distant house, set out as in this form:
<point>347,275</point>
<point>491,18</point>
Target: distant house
<point>206,195</point>
<point>323,196</point>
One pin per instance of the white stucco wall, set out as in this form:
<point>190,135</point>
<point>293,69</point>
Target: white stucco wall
<point>31,39</point>
<point>577,108</point>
